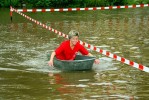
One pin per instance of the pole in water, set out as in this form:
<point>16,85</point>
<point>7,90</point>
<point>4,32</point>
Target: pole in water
<point>10,11</point>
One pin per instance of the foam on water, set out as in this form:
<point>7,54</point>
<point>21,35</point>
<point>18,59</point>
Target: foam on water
<point>103,83</point>
<point>120,81</point>
<point>8,69</point>
<point>82,85</point>
<point>38,63</point>
<point>84,80</point>
<point>105,64</point>
<point>13,70</point>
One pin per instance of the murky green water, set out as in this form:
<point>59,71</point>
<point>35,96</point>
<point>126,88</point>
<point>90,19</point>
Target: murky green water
<point>24,73</point>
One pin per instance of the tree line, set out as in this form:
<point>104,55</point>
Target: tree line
<point>67,3</point>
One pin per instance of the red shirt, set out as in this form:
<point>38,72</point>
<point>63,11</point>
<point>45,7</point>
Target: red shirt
<point>64,51</point>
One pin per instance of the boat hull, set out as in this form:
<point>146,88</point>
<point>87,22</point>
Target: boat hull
<point>80,63</point>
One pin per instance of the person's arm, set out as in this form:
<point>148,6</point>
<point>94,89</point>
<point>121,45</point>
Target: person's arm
<point>96,60</point>
<point>56,52</point>
<point>85,52</point>
<point>51,59</point>
<point>89,54</point>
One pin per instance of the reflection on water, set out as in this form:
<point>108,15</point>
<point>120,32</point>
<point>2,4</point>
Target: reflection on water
<point>88,85</point>
<point>25,74</point>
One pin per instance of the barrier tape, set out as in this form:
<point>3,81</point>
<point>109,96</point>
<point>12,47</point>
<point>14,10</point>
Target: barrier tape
<point>104,52</point>
<point>82,9</point>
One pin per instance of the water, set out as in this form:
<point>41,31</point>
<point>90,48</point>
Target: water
<point>25,74</point>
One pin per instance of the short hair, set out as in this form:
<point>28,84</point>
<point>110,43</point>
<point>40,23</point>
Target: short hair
<point>73,33</point>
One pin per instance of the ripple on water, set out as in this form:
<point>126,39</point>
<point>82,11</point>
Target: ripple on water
<point>82,85</point>
<point>105,64</point>
<point>103,83</point>
<point>38,69</point>
<point>133,48</point>
<point>127,97</point>
<point>146,41</point>
<point>95,96</point>
<point>8,69</point>
<point>137,56</point>
<point>120,81</point>
<point>111,38</point>
<point>117,52</point>
<point>19,86</point>
<point>127,45</point>
<point>84,80</point>
<point>103,46</point>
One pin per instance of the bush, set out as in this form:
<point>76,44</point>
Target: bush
<point>43,3</point>
<point>1,3</point>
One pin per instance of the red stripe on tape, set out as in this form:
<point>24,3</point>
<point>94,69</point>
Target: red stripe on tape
<point>52,10</point>
<point>43,10</point>
<point>24,10</point>
<point>115,56</point>
<point>89,45</point>
<point>69,9</point>
<point>107,53</point>
<point>141,67</point>
<point>123,60</point>
<point>110,7</point>
<point>131,63</point>
<point>86,8</point>
<point>126,6</point>
<point>133,6</point>
<point>102,8</point>
<point>55,31</point>
<point>34,10</point>
<point>118,7</point>
<point>101,51</point>
<point>83,43</point>
<point>95,48</point>
<point>142,5</point>
<point>78,8</point>
<point>94,8</point>
<point>61,9</point>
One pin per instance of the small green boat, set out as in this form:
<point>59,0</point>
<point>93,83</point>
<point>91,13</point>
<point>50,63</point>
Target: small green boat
<point>80,63</point>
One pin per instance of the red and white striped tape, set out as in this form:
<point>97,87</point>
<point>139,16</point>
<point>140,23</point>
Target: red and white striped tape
<point>104,52</point>
<point>81,9</point>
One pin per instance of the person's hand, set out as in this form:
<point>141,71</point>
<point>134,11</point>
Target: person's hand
<point>96,61</point>
<point>50,63</point>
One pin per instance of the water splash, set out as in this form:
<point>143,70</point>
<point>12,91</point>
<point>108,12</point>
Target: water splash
<point>105,64</point>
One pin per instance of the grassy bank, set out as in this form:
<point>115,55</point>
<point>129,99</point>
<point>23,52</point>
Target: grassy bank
<point>68,3</point>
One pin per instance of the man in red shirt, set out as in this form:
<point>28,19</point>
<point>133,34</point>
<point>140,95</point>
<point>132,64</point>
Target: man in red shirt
<point>69,48</point>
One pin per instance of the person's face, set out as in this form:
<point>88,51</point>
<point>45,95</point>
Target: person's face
<point>74,40</point>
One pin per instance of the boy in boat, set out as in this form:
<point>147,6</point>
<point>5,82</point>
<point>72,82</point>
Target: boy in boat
<point>69,48</point>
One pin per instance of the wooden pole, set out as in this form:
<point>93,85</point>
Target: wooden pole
<point>10,11</point>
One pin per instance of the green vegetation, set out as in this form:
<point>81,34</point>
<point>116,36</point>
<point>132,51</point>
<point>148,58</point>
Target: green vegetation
<point>68,3</point>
